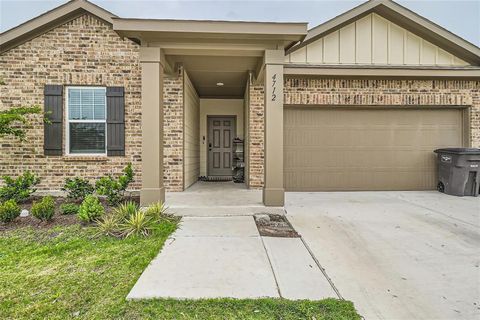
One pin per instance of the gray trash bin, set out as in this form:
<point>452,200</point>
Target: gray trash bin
<point>458,171</point>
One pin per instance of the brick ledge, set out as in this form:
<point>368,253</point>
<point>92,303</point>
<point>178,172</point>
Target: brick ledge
<point>85,158</point>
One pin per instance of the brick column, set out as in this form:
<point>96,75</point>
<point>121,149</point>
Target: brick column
<point>273,191</point>
<point>152,125</point>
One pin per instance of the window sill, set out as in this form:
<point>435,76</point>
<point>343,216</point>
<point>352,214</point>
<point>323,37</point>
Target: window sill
<point>85,158</point>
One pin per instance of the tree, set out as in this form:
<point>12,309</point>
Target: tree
<point>12,121</point>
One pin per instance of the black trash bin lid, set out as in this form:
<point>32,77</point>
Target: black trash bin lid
<point>459,151</point>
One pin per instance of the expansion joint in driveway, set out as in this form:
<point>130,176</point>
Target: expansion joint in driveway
<point>271,267</point>
<point>337,292</point>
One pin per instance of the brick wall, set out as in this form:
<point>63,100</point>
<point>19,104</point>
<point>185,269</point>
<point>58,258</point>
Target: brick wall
<point>84,51</point>
<point>173,133</point>
<point>256,141</point>
<point>388,92</point>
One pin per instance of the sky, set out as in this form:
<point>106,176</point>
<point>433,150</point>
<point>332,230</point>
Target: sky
<point>458,16</point>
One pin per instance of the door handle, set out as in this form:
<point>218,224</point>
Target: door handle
<point>210,147</point>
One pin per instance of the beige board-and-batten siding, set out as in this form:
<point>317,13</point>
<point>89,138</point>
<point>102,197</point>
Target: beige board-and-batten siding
<point>373,40</point>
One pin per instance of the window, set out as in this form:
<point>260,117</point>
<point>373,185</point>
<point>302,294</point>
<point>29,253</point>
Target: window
<point>86,120</point>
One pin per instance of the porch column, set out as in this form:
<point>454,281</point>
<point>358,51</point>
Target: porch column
<point>152,125</point>
<point>273,192</point>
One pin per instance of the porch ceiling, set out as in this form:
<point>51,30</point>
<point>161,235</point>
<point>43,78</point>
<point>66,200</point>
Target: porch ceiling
<point>206,71</point>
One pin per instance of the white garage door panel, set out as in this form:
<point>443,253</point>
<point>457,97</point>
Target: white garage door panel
<point>366,149</point>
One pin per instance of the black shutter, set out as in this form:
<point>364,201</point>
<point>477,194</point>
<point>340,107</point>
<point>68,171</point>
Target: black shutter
<point>53,130</point>
<point>115,121</point>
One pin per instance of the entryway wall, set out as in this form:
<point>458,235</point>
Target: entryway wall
<point>191,150</point>
<point>217,107</point>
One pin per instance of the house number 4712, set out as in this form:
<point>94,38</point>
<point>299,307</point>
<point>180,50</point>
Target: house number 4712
<point>274,87</point>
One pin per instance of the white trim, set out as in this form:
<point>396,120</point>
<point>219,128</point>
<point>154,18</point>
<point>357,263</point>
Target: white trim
<point>68,121</point>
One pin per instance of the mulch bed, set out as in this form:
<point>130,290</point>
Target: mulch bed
<point>58,219</point>
<point>274,225</point>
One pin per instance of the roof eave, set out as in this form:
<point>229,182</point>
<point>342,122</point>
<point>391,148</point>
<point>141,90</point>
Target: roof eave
<point>289,32</point>
<point>50,20</point>
<point>369,71</point>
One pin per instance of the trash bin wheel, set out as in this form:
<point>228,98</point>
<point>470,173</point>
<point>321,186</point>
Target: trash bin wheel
<point>441,187</point>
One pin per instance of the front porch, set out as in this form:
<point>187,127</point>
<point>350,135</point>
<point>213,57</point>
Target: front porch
<point>211,60</point>
<point>212,199</point>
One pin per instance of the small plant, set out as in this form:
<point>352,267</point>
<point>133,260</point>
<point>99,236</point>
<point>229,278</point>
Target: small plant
<point>69,208</point>
<point>126,210</point>
<point>77,188</point>
<point>91,209</point>
<point>109,225</point>
<point>9,210</point>
<point>139,224</point>
<point>159,212</point>
<point>19,189</point>
<point>45,209</point>
<point>114,189</point>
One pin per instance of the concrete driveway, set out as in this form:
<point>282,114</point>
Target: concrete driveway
<point>396,255</point>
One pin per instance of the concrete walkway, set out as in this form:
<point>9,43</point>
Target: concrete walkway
<point>396,255</point>
<point>210,257</point>
<point>208,199</point>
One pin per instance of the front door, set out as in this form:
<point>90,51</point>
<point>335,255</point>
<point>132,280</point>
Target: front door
<point>221,131</point>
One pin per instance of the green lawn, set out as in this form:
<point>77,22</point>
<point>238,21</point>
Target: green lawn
<point>67,272</point>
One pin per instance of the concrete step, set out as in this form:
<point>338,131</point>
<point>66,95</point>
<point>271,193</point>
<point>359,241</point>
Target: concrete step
<point>222,211</point>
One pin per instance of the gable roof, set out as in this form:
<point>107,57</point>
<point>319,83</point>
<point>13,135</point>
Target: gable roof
<point>403,17</point>
<point>50,20</point>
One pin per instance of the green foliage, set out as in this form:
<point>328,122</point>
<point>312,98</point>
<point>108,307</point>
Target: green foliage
<point>77,188</point>
<point>12,121</point>
<point>159,212</point>
<point>9,210</point>
<point>138,224</point>
<point>19,189</point>
<point>114,189</point>
<point>90,209</point>
<point>128,220</point>
<point>126,210</point>
<point>69,208</point>
<point>109,225</point>
<point>45,209</point>
<point>74,275</point>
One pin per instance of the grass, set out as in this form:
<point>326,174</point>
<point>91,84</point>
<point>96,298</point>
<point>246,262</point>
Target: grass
<point>68,272</point>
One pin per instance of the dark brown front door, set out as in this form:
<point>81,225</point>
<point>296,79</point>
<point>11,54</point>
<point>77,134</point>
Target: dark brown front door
<point>221,131</point>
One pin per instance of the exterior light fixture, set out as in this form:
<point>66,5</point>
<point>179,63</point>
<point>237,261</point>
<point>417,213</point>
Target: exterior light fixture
<point>220,84</point>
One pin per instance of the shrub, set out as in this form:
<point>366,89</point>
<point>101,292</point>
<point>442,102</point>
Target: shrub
<point>90,209</point>
<point>139,224</point>
<point>159,212</point>
<point>9,210</point>
<point>45,209</point>
<point>19,189</point>
<point>69,208</point>
<point>109,225</point>
<point>126,210</point>
<point>114,189</point>
<point>77,188</point>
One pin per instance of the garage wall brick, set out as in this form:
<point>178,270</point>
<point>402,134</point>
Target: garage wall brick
<point>330,92</point>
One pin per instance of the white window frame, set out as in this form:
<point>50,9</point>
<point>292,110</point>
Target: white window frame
<point>68,121</point>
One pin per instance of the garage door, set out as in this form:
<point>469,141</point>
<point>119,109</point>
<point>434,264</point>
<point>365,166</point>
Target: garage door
<point>366,149</point>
